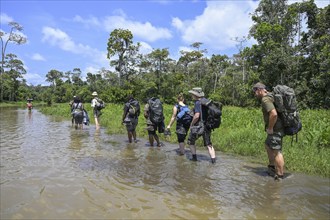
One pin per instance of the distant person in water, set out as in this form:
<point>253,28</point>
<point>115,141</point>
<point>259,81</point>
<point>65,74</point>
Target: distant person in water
<point>29,104</point>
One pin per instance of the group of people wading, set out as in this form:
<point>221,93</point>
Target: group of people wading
<point>194,123</point>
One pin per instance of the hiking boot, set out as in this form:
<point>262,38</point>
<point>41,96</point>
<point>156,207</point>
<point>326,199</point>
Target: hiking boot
<point>213,160</point>
<point>194,157</point>
<point>271,170</point>
<point>167,132</point>
<point>278,177</point>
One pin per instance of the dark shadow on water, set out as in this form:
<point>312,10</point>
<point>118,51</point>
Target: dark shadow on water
<point>263,171</point>
<point>260,171</point>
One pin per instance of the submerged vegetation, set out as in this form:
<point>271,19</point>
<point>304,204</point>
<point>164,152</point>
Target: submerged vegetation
<point>241,133</point>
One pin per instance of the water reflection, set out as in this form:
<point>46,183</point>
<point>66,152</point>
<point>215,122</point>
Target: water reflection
<point>49,170</point>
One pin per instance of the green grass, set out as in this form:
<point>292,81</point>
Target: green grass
<point>241,133</point>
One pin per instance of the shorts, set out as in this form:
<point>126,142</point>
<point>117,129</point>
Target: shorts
<point>274,141</point>
<point>131,126</point>
<point>160,127</point>
<point>78,118</point>
<point>206,138</point>
<point>181,132</point>
<point>97,113</point>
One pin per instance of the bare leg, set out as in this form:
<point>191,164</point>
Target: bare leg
<point>193,152</point>
<point>279,162</point>
<point>151,140</point>
<point>271,157</point>
<point>97,123</point>
<point>211,151</point>
<point>192,149</point>
<point>134,135</point>
<point>157,139</point>
<point>181,146</point>
<point>129,135</point>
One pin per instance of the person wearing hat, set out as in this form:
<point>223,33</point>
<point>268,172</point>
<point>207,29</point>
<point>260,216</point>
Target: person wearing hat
<point>96,111</point>
<point>274,130</point>
<point>200,115</point>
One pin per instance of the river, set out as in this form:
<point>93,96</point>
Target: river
<point>50,170</point>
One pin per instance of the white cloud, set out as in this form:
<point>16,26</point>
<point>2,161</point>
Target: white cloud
<point>91,21</point>
<point>145,48</point>
<point>5,19</point>
<point>57,37</point>
<point>38,57</point>
<point>319,3</point>
<point>35,79</point>
<point>146,30</point>
<point>218,26</point>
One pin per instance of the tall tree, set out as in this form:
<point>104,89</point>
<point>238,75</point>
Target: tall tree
<point>53,77</point>
<point>14,70</point>
<point>5,38</point>
<point>158,58</point>
<point>12,36</point>
<point>120,43</point>
<point>274,30</point>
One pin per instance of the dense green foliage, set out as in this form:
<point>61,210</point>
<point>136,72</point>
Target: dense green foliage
<point>286,52</point>
<point>241,133</point>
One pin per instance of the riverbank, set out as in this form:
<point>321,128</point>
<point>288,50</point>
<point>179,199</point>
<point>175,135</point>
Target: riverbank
<point>241,133</point>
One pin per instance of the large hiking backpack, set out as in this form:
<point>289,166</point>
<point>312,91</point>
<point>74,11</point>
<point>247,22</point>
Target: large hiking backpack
<point>286,106</point>
<point>77,109</point>
<point>155,110</point>
<point>100,104</point>
<point>133,108</point>
<point>184,115</point>
<point>214,113</point>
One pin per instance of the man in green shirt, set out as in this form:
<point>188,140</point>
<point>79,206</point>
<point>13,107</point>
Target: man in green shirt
<point>274,129</point>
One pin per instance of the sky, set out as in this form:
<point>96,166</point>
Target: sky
<point>69,34</point>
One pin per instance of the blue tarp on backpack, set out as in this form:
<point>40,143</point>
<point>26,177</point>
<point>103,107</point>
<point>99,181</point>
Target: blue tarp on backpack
<point>183,115</point>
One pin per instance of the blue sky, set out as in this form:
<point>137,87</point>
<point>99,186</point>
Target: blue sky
<point>64,35</point>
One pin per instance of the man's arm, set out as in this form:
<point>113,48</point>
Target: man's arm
<point>272,120</point>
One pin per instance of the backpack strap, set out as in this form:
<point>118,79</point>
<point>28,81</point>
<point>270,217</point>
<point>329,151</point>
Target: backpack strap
<point>201,112</point>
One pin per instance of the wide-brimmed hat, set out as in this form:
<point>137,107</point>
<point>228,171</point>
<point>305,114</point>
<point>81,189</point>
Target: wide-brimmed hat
<point>197,92</point>
<point>257,86</point>
<point>94,93</point>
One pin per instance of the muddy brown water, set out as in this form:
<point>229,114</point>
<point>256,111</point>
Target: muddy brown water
<point>49,170</point>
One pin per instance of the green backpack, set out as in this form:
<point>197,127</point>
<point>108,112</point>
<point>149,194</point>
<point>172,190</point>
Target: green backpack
<point>286,106</point>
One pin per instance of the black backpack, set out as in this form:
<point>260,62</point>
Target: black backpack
<point>133,108</point>
<point>286,106</point>
<point>155,110</point>
<point>214,113</point>
<point>100,104</point>
<point>184,115</point>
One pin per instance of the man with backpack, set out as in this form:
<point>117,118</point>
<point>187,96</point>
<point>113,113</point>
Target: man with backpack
<point>153,112</point>
<point>181,114</point>
<point>198,125</point>
<point>274,130</point>
<point>130,117</point>
<point>97,104</point>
